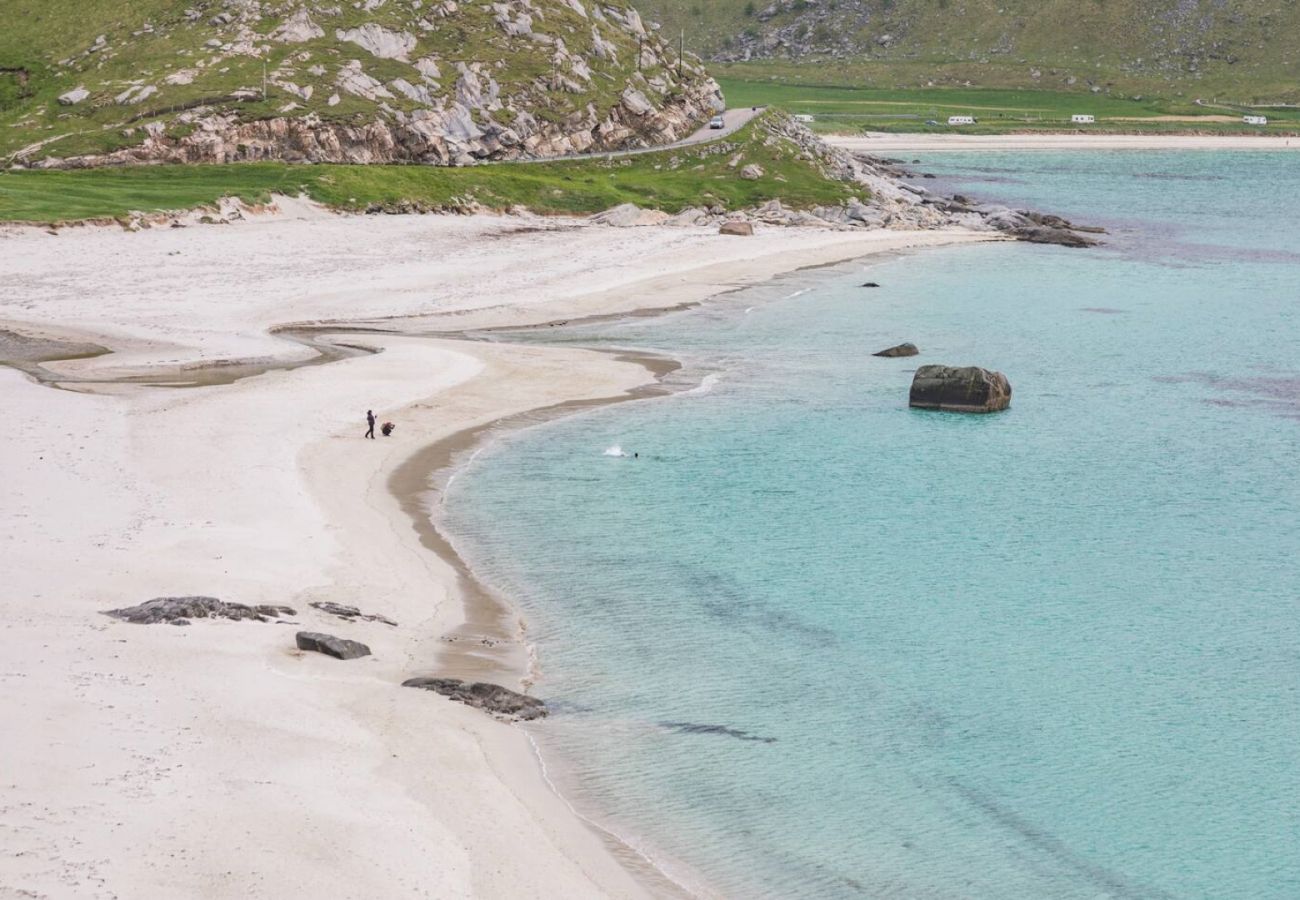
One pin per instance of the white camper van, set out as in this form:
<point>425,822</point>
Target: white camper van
<point>1083,119</point>
<point>961,120</point>
<point>1255,120</point>
<point>805,118</point>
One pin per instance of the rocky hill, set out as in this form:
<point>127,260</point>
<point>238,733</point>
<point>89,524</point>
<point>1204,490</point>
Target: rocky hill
<point>1247,47</point>
<point>429,81</point>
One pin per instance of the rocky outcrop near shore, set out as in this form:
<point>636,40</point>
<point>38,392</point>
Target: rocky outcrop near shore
<point>968,389</point>
<point>891,179</point>
<point>442,83</point>
<point>886,198</point>
<point>491,698</point>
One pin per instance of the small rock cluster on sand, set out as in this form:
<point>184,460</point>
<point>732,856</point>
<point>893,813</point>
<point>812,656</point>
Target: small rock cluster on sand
<point>179,611</point>
<point>349,613</point>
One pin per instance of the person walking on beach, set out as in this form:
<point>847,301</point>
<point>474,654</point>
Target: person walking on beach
<point>370,420</point>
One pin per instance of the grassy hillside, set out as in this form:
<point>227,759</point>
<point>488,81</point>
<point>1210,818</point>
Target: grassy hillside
<point>671,180</point>
<point>446,78</point>
<point>1243,50</point>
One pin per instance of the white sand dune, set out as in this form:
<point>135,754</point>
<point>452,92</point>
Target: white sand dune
<point>216,760</point>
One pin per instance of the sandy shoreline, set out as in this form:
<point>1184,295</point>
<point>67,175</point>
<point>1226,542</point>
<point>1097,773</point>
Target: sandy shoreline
<point>882,142</point>
<point>133,746</point>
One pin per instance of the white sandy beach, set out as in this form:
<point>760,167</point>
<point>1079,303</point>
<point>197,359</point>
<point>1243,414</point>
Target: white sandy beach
<point>217,760</point>
<point>882,142</point>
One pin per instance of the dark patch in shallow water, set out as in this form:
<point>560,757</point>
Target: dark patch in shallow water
<point>1172,176</point>
<point>568,707</point>
<point>725,600</point>
<point>1204,253</point>
<point>695,728</point>
<point>1277,394</point>
<point>1115,884</point>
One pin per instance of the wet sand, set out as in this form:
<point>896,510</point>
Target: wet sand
<point>491,643</point>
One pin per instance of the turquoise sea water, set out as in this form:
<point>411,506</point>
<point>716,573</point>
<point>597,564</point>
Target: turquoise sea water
<point>811,643</point>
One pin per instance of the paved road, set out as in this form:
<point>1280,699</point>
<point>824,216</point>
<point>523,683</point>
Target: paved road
<point>736,119</point>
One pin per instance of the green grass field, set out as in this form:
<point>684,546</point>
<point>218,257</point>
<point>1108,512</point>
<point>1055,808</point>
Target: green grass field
<point>667,180</point>
<point>846,108</point>
<point>1240,49</point>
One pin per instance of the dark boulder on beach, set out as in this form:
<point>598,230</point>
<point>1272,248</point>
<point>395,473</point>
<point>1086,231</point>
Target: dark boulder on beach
<point>969,389</point>
<point>337,647</point>
<point>908,349</point>
<point>491,698</point>
<point>179,611</point>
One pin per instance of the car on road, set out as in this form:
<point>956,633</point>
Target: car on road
<point>717,122</point>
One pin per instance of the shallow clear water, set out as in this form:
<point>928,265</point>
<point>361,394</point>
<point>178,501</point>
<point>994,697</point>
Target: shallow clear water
<point>1051,652</point>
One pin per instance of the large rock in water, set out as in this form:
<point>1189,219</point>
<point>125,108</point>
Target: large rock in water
<point>908,349</point>
<point>969,389</point>
<point>337,647</point>
<point>490,698</point>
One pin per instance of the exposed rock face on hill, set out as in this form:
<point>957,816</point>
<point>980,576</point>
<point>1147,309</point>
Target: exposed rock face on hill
<point>378,81</point>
